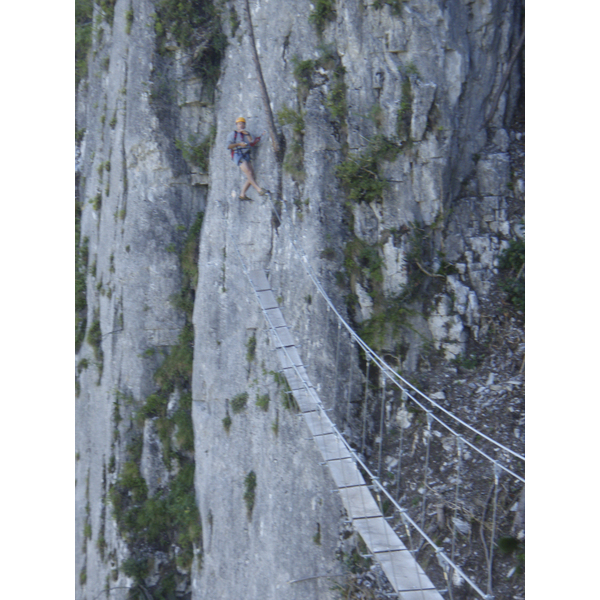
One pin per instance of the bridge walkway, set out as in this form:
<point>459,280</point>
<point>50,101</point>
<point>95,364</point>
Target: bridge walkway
<point>402,570</point>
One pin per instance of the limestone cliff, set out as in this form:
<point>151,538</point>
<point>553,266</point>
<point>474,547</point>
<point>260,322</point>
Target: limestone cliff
<point>400,175</point>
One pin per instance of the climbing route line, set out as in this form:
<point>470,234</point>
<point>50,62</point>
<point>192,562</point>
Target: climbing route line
<point>364,502</point>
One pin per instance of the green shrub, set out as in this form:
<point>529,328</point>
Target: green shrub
<point>135,568</point>
<point>81,267</point>
<point>336,98</point>
<point>176,370</point>
<point>83,37</point>
<point>155,406</point>
<point>512,262</point>
<point>195,25</point>
<point>323,13</point>
<point>197,153</point>
<point>303,71</point>
<point>404,113</point>
<point>360,176</point>
<point>294,158</point>
<point>395,6</point>
<point>94,339</point>
<point>185,429</point>
<point>287,116</point>
<point>238,402</point>
<point>108,10</point>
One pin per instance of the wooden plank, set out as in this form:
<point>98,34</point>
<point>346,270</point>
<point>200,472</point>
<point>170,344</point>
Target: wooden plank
<point>288,354</point>
<point>378,535</point>
<point>267,300</point>
<point>359,502</point>
<point>331,447</point>
<point>259,280</point>
<point>282,337</point>
<point>318,423</point>
<point>275,317</point>
<point>345,473</point>
<point>293,380</point>
<point>432,594</point>
<point>306,402</point>
<point>405,573</point>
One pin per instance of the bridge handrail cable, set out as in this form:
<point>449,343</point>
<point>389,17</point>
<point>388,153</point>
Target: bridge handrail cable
<point>393,375</point>
<point>375,480</point>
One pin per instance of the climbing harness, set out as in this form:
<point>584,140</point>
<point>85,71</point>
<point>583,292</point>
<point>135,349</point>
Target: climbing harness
<point>243,152</point>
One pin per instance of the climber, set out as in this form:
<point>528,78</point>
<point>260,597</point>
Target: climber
<point>239,142</point>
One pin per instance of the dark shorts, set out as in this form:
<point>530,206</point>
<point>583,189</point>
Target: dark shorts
<point>238,158</point>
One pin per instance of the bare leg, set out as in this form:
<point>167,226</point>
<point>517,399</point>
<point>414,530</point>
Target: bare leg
<point>248,171</point>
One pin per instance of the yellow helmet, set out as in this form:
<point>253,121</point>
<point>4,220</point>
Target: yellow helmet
<point>240,119</point>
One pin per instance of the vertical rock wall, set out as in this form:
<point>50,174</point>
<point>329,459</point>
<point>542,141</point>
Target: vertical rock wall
<point>434,67</point>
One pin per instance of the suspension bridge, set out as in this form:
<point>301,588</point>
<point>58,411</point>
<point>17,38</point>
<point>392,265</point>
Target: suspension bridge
<point>396,535</point>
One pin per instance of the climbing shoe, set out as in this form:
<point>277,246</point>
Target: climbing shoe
<point>263,192</point>
<point>245,198</point>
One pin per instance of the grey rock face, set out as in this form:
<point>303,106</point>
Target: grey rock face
<point>451,179</point>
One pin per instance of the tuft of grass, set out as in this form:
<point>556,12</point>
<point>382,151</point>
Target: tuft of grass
<point>287,398</point>
<point>251,348</point>
<point>94,339</point>
<point>234,20</point>
<point>317,536</point>
<point>128,21</point>
<point>263,402</point>
<point>238,402</point>
<point>294,159</point>
<point>96,201</point>
<point>250,492</point>
<point>227,422</point>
